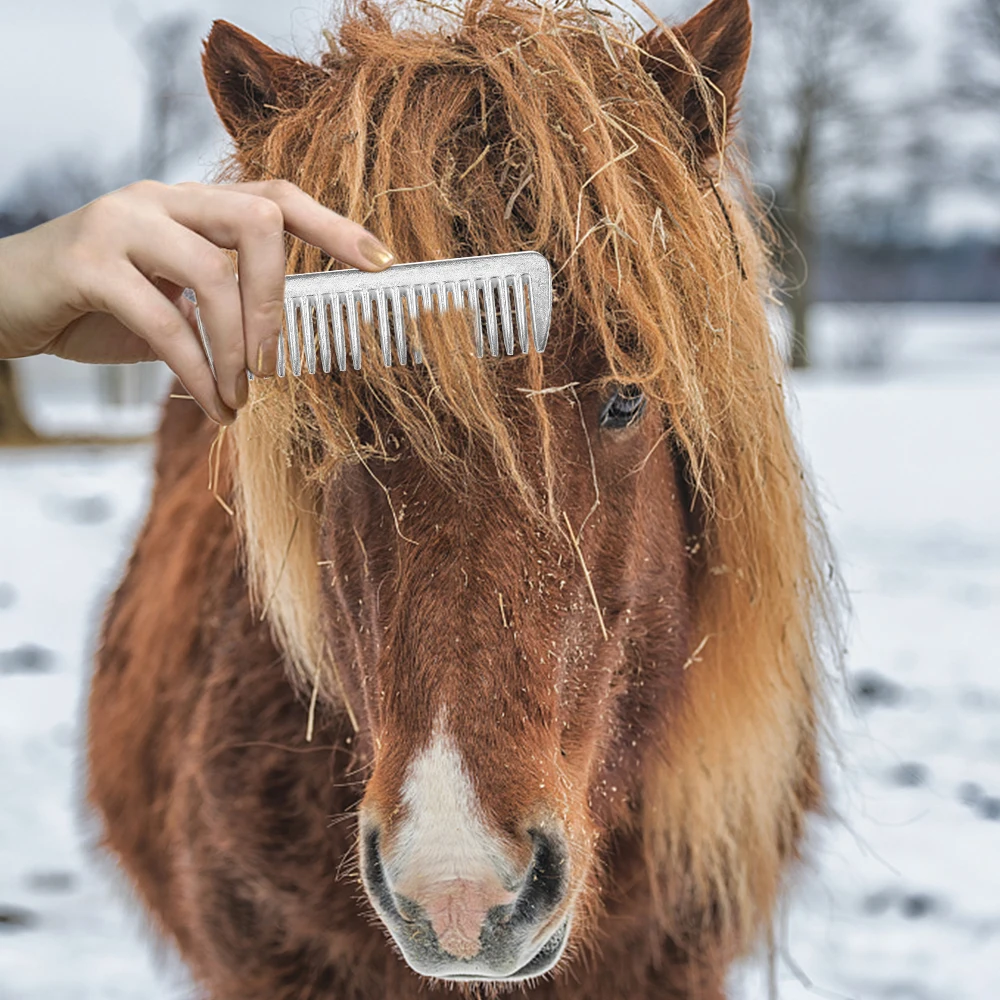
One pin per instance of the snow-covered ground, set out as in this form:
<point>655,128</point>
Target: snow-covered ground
<point>901,898</point>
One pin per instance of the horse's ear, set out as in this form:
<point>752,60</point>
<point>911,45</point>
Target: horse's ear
<point>717,38</point>
<point>248,81</point>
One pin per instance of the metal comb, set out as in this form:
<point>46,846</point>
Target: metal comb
<point>508,294</point>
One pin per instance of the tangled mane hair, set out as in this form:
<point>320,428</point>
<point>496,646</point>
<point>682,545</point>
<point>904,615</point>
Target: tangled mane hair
<point>516,126</point>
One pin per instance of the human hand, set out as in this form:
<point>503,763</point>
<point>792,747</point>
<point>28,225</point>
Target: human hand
<point>104,284</point>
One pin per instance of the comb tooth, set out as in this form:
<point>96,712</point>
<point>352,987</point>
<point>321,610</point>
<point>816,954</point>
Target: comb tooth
<point>308,336</point>
<point>340,348</point>
<point>426,299</point>
<point>280,366</point>
<point>491,317</point>
<point>411,306</point>
<point>520,313</point>
<point>295,344</point>
<point>508,329</point>
<point>477,315</point>
<point>366,308</point>
<point>323,332</point>
<point>383,327</point>
<point>294,355</point>
<point>467,299</point>
<point>352,327</point>
<point>540,308</point>
<point>397,323</point>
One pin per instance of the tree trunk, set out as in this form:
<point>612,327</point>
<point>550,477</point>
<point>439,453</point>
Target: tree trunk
<point>797,234</point>
<point>800,297</point>
<point>15,428</point>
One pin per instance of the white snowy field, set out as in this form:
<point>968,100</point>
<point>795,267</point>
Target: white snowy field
<point>901,898</point>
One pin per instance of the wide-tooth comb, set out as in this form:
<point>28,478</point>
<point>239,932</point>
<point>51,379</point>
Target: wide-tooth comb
<point>508,294</point>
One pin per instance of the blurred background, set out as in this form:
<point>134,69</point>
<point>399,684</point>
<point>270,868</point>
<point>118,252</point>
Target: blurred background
<point>874,130</point>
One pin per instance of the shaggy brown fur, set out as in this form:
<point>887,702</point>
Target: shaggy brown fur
<point>401,524</point>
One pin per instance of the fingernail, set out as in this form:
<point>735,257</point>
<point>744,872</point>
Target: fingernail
<point>242,389</point>
<point>377,254</point>
<point>267,358</point>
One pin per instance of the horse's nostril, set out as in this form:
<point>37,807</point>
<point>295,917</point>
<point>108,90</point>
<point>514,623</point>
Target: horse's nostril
<point>372,860</point>
<point>547,881</point>
<point>374,874</point>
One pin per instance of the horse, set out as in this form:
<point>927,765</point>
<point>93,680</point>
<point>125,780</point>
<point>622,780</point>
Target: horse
<point>496,675</point>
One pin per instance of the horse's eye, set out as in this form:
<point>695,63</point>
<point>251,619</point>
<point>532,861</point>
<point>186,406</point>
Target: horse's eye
<point>623,409</point>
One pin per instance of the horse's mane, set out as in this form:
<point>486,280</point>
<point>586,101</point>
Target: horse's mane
<point>515,126</point>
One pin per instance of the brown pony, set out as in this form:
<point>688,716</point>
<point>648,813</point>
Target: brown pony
<point>502,672</point>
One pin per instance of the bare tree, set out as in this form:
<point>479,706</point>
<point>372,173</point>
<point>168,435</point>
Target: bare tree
<point>813,124</point>
<point>974,78</point>
<point>62,184</point>
<point>177,119</point>
<point>15,428</point>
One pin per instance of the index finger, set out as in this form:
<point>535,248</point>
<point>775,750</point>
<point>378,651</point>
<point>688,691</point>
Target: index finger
<point>306,218</point>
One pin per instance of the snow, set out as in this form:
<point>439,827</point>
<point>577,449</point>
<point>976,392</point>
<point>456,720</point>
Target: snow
<point>67,516</point>
<point>900,894</point>
<point>905,899</point>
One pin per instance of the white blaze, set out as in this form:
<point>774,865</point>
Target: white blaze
<point>444,836</point>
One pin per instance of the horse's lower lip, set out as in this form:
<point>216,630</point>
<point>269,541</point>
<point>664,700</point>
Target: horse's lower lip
<point>552,946</point>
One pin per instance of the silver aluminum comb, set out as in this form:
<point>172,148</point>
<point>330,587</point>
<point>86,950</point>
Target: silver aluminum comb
<point>321,310</point>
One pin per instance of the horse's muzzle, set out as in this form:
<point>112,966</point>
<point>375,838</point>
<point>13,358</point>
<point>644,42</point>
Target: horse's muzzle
<point>475,929</point>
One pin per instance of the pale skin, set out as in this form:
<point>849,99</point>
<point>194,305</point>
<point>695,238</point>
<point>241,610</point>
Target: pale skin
<point>104,284</point>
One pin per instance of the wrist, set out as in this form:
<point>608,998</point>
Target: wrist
<point>7,309</point>
<point>27,301</point>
